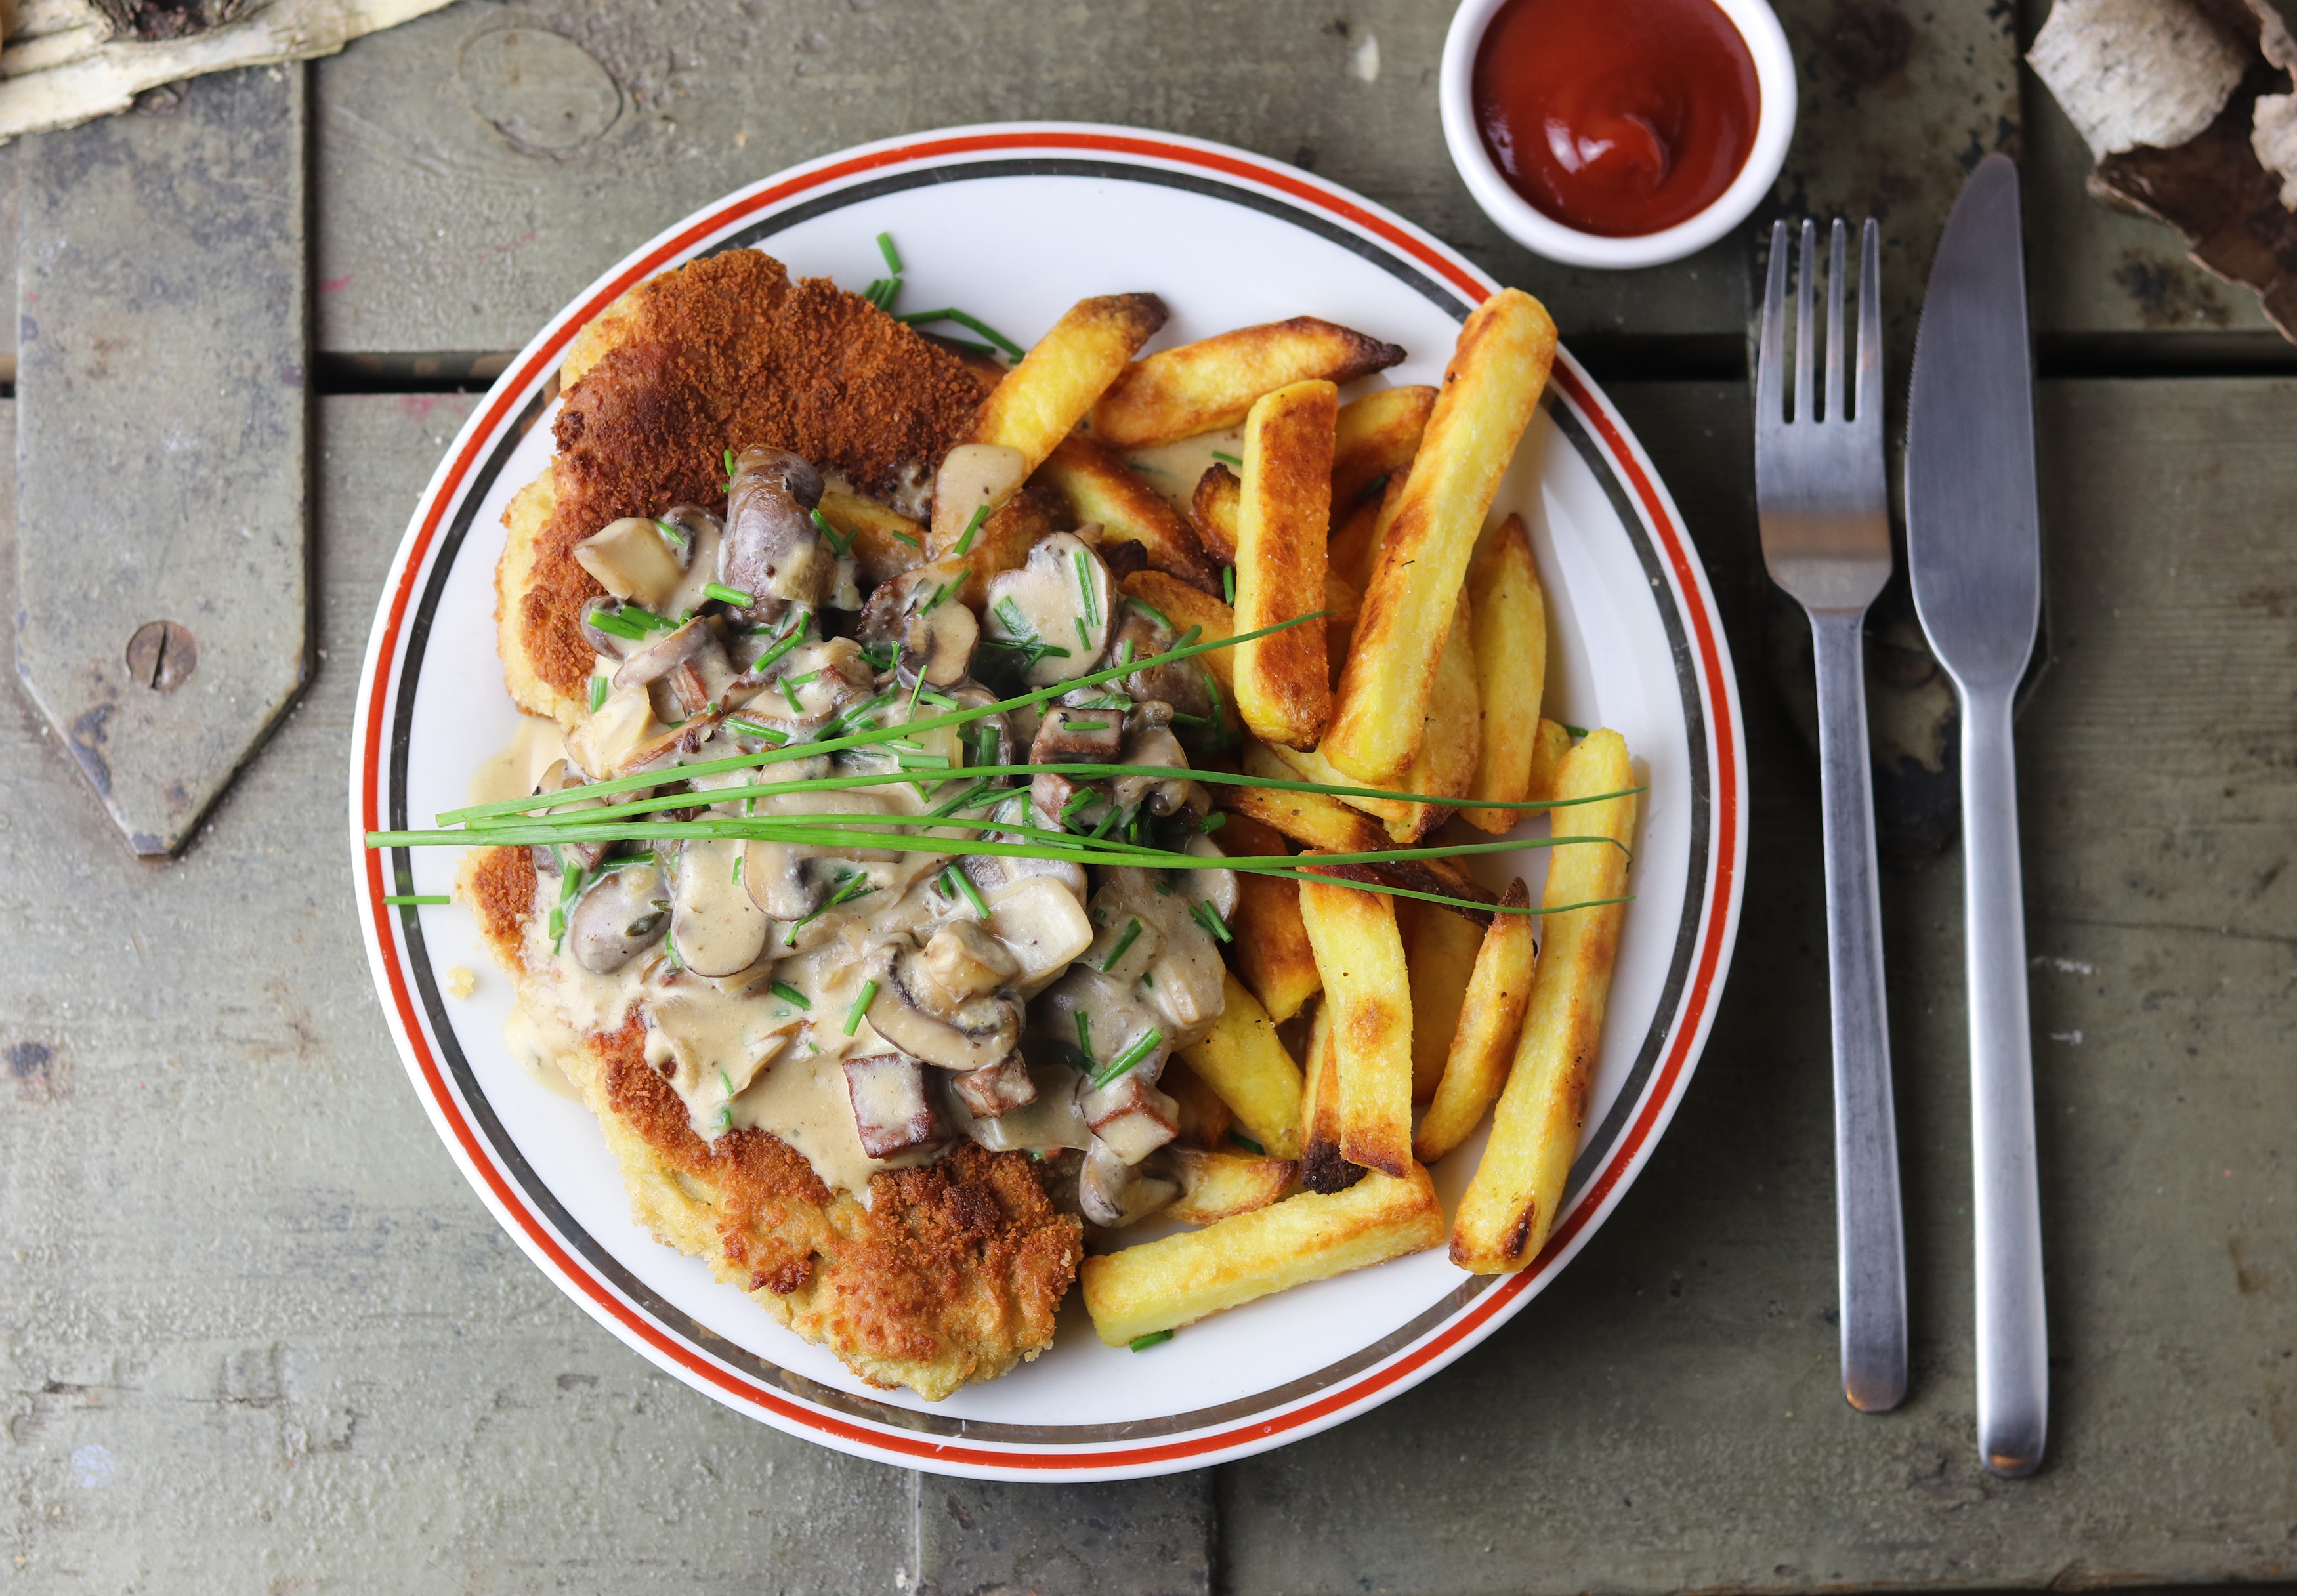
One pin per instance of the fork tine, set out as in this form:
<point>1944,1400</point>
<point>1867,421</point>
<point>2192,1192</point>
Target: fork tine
<point>1870,325</point>
<point>1770,408</point>
<point>1806,328</point>
<point>1837,330</point>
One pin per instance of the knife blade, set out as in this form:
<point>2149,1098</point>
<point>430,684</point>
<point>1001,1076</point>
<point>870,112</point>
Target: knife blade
<point>1974,556</point>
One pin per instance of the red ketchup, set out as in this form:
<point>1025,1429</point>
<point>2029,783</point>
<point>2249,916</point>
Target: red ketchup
<point>1616,117</point>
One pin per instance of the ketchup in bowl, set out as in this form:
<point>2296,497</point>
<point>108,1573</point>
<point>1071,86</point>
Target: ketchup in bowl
<point>1616,117</point>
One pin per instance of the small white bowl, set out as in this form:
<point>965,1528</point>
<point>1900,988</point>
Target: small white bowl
<point>1536,230</point>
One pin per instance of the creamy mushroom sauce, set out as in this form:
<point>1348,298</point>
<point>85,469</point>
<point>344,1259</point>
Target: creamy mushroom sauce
<point>1060,962</point>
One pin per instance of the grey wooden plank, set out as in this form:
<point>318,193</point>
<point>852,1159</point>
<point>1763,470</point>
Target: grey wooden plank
<point>1667,1417</point>
<point>256,1333</point>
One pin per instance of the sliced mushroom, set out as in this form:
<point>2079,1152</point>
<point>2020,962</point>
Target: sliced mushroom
<point>1131,1118</point>
<point>1184,988</point>
<point>1053,611</point>
<point>807,688</point>
<point>1149,741</point>
<point>635,560</point>
<point>963,962</point>
<point>1115,1021</point>
<point>771,548</point>
<point>617,919</point>
<point>1142,634</point>
<point>1126,944</point>
<point>970,1035</point>
<point>659,657</point>
<point>613,644</point>
<point>996,1091</point>
<point>1217,888</point>
<point>791,880</point>
<point>703,532</point>
<point>918,614</point>
<point>890,1107</point>
<point>973,477</point>
<point>560,777</point>
<point>1114,1193</point>
<point>988,739</point>
<point>1041,922</point>
<point>717,928</point>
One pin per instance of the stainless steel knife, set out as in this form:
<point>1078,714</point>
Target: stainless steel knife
<point>1974,553</point>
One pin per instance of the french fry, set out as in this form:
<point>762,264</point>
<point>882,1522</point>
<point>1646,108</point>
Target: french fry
<point>1325,823</point>
<point>1490,389</point>
<point>1342,604</point>
<point>1510,1206</point>
<point>1213,511</point>
<point>1323,1168</point>
<point>1180,393</point>
<point>1283,684</point>
<point>1040,401</point>
<point>1101,486</point>
<point>885,542</point>
<point>1271,948</point>
<point>1215,1186</point>
<point>1510,624</point>
<point>1205,1119</point>
<point>1483,1040</point>
<point>1186,606</point>
<point>1164,1285</point>
<point>1243,1060</point>
<point>1356,543</point>
<point>1376,437</point>
<point>1369,990</point>
<point>1441,948</point>
<point>1547,752</point>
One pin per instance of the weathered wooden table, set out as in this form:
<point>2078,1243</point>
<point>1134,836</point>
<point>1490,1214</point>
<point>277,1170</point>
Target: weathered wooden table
<point>258,1335</point>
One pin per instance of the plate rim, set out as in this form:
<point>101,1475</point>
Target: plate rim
<point>1717,878</point>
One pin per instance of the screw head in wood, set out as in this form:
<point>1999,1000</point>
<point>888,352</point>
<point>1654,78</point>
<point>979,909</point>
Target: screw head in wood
<point>162,655</point>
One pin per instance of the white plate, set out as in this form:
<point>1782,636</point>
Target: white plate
<point>1014,223</point>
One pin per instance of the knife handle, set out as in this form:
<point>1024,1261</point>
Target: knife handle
<point>1870,1245</point>
<point>2013,1397</point>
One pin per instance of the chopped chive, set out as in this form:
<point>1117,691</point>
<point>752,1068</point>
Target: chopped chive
<point>1083,798</point>
<point>1087,724</point>
<point>861,1007</point>
<point>1125,1060</point>
<point>738,860</point>
<point>670,948</point>
<point>1084,1032</point>
<point>416,900</point>
<point>671,531</point>
<point>940,593</point>
<point>1142,1344</point>
<point>1153,612</point>
<point>924,317</point>
<point>729,471</point>
<point>1226,459</point>
<point>614,625</point>
<point>892,255</point>
<point>725,595</point>
<point>726,1117</point>
<point>1212,823</point>
<point>1576,731</point>
<point>1015,622</point>
<point>790,994</point>
<point>789,695</point>
<point>599,686</point>
<point>1228,585</point>
<point>896,532</point>
<point>972,892</point>
<point>1084,639</point>
<point>1085,586</point>
<point>1203,914</point>
<point>1248,1144</point>
<point>965,542</point>
<point>837,545</point>
<point>1131,934</point>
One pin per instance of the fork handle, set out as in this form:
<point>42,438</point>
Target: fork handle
<point>2014,1396</point>
<point>1869,1237</point>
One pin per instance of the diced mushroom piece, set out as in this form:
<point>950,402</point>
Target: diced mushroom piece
<point>962,962</point>
<point>1053,611</point>
<point>607,744</point>
<point>1131,1118</point>
<point>988,739</point>
<point>970,1035</point>
<point>791,880</point>
<point>1114,1193</point>
<point>716,926</point>
<point>1105,1019</point>
<point>771,548</point>
<point>973,477</point>
<point>1184,988</point>
<point>1142,634</point>
<point>659,657</point>
<point>618,918</point>
<point>1041,922</point>
<point>919,616</point>
<point>635,560</point>
<point>1149,742</point>
<point>1217,888</point>
<point>1069,735</point>
<point>890,1107</point>
<point>807,688</point>
<point>1125,944</point>
<point>1050,1120</point>
<point>996,1091</point>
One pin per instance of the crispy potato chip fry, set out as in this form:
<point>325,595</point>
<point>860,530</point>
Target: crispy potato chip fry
<point>1547,752</point>
<point>1205,1119</point>
<point>1490,389</point>
<point>1180,393</point>
<point>1217,1185</point>
<point>1510,624</point>
<point>1509,1207</point>
<point>1186,606</point>
<point>1041,400</point>
<point>1356,543</point>
<point>1322,1166</point>
<point>1284,682</point>
<point>1270,950</point>
<point>1102,487</point>
<point>1243,1061</point>
<point>1475,1063</point>
<point>1164,1285</point>
<point>1213,512</point>
<point>1362,958</point>
<point>1440,948</point>
<point>1376,438</point>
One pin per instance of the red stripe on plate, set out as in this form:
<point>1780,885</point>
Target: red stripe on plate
<point>1697,998</point>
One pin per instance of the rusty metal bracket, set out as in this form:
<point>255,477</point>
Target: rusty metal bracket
<point>161,428</point>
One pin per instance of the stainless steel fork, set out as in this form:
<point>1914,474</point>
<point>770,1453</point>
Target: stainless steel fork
<point>1820,487</point>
